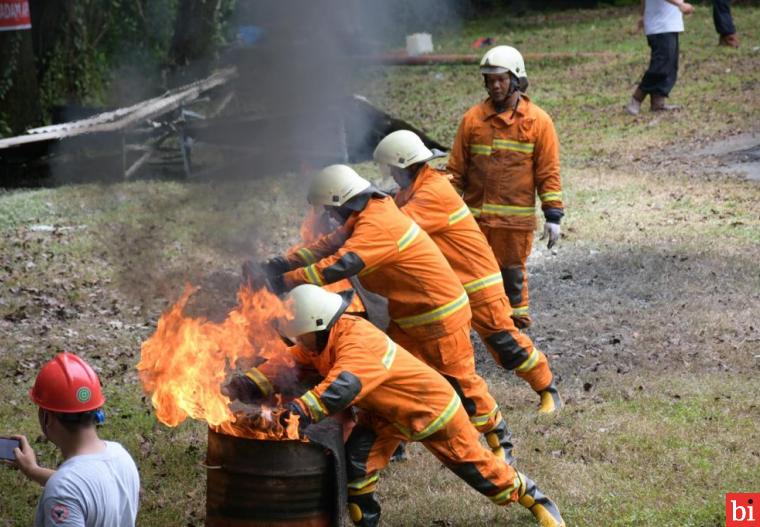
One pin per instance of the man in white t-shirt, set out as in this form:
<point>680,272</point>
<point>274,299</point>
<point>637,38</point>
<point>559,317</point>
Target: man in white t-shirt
<point>97,485</point>
<point>662,21</point>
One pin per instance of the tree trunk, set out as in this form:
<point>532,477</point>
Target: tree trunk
<point>19,92</point>
<point>194,31</point>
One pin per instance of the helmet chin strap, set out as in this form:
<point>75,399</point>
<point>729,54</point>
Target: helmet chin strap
<point>514,86</point>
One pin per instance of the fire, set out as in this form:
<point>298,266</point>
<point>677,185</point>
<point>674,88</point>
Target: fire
<point>314,225</point>
<point>184,364</point>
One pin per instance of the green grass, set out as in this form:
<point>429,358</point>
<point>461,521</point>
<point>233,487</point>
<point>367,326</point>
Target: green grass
<point>651,301</point>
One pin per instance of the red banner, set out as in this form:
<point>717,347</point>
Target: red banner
<point>14,14</point>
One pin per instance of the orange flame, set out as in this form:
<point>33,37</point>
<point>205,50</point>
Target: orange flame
<point>184,364</point>
<point>313,225</point>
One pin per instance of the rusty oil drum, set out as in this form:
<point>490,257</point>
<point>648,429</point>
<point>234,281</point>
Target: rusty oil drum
<point>257,483</point>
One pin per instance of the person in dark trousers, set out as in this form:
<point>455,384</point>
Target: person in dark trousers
<point>724,24</point>
<point>662,21</point>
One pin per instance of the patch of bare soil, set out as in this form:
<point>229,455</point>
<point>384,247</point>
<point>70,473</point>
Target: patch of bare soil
<point>611,310</point>
<point>734,155</point>
<point>739,154</point>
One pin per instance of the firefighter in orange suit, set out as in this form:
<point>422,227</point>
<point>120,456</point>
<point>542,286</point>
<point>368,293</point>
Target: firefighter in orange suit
<point>316,224</point>
<point>505,151</point>
<point>400,399</point>
<point>427,197</point>
<point>393,257</point>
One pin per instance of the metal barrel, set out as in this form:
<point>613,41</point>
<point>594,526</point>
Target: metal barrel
<point>258,483</point>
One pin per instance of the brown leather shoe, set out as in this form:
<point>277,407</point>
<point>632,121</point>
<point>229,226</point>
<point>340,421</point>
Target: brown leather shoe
<point>731,41</point>
<point>659,104</point>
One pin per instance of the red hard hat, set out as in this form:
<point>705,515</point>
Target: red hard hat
<point>67,384</point>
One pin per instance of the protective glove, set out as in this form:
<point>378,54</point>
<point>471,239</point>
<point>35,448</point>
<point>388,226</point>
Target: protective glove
<point>291,409</point>
<point>267,274</point>
<point>242,388</point>
<point>276,265</point>
<point>551,231</point>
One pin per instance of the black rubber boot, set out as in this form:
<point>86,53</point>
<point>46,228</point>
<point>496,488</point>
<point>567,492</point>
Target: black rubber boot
<point>364,510</point>
<point>543,509</point>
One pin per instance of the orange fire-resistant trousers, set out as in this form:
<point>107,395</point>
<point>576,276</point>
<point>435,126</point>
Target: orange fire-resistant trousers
<point>453,357</point>
<point>456,445</point>
<point>512,248</point>
<point>512,349</point>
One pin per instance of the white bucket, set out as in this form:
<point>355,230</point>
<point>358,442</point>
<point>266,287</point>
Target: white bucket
<point>419,44</point>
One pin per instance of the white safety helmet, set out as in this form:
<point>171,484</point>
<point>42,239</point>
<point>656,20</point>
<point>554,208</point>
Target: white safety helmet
<point>334,185</point>
<point>401,149</point>
<point>502,59</point>
<point>313,309</point>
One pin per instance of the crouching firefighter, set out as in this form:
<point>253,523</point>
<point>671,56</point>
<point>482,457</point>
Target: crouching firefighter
<point>394,258</point>
<point>427,197</point>
<point>400,399</point>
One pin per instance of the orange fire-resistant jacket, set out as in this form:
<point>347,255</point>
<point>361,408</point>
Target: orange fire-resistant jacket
<point>394,258</point>
<point>500,160</point>
<point>362,366</point>
<point>435,206</point>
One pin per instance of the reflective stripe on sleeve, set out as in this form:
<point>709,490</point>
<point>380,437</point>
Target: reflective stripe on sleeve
<point>551,196</point>
<point>459,215</point>
<point>390,354</point>
<point>306,255</point>
<point>261,381</point>
<point>312,275</point>
<point>312,402</point>
<point>433,315</point>
<point>408,237</point>
<point>482,283</point>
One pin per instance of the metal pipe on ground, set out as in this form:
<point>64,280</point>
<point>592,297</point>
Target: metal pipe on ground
<point>398,59</point>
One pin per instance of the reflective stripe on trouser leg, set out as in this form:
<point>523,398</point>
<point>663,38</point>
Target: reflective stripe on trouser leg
<point>458,447</point>
<point>368,450</point>
<point>529,364</point>
<point>453,357</point>
<point>511,348</point>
